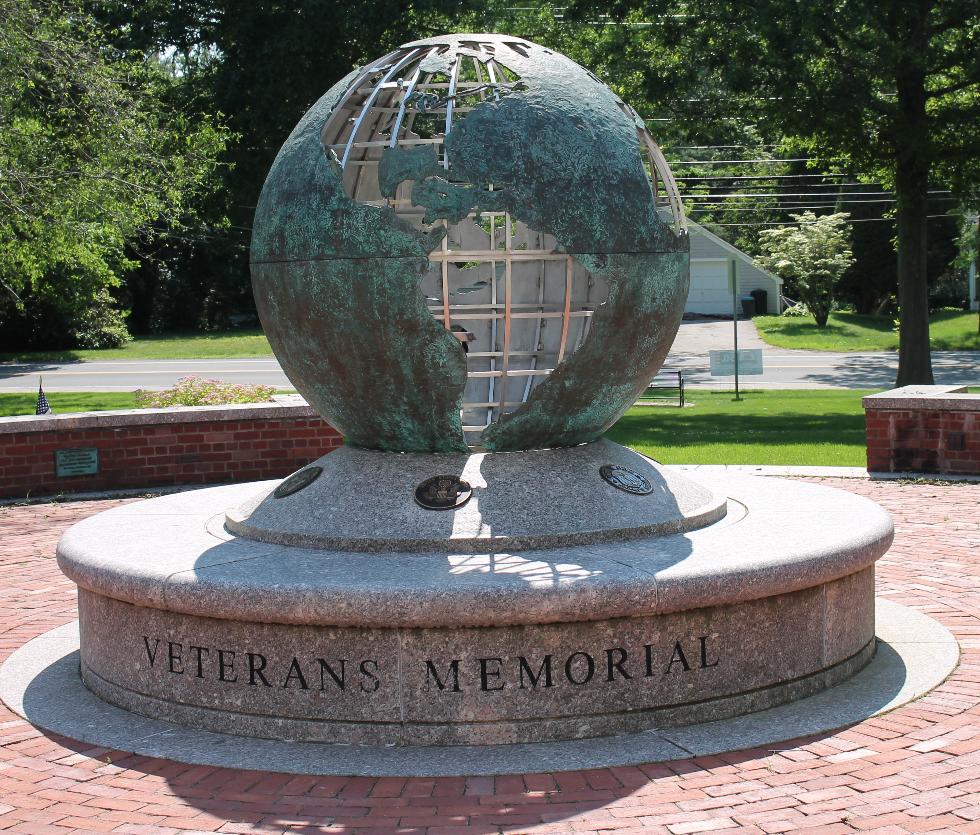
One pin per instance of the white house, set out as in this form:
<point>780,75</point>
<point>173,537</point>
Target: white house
<point>709,293</point>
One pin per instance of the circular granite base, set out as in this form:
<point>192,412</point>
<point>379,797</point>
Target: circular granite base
<point>41,682</point>
<point>181,620</point>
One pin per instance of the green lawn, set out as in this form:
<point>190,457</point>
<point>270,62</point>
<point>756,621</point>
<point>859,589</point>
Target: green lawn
<point>67,401</point>
<point>844,332</point>
<point>949,331</point>
<point>818,428</point>
<point>803,428</point>
<point>173,346</point>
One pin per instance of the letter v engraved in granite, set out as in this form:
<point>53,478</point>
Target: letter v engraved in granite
<point>151,656</point>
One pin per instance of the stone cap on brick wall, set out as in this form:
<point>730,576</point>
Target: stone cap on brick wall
<point>933,398</point>
<point>281,406</point>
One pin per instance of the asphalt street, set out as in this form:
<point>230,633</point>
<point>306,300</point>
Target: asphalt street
<point>783,369</point>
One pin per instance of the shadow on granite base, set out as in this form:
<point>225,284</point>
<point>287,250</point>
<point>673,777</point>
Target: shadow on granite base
<point>41,683</point>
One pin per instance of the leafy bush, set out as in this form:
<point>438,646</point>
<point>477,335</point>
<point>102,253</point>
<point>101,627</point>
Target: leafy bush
<point>810,257</point>
<point>950,290</point>
<point>101,324</point>
<point>196,391</point>
<point>796,310</point>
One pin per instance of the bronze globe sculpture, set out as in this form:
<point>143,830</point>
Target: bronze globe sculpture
<point>470,257</point>
<point>470,243</point>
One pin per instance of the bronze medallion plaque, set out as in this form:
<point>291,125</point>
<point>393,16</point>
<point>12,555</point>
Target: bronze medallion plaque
<point>443,492</point>
<point>297,481</point>
<point>626,479</point>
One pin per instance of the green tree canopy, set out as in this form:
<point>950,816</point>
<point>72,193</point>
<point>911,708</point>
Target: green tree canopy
<point>891,89</point>
<point>92,156</point>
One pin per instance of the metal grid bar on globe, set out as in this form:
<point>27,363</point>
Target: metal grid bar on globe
<point>408,93</point>
<point>366,108</point>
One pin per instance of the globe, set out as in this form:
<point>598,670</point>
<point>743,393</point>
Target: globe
<point>470,243</point>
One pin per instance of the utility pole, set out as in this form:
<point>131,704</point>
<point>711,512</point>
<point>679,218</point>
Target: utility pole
<point>973,285</point>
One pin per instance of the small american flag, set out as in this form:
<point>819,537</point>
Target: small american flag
<point>43,408</point>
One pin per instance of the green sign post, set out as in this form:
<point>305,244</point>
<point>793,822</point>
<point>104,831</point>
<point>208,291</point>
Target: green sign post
<point>733,286</point>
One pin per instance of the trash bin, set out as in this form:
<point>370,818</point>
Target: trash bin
<point>748,307</point>
<point>761,302</point>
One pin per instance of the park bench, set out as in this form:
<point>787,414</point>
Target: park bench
<point>666,386</point>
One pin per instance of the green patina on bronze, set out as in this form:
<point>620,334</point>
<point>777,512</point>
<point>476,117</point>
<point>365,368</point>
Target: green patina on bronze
<point>337,282</point>
<point>337,288</point>
<point>563,157</point>
<point>406,163</point>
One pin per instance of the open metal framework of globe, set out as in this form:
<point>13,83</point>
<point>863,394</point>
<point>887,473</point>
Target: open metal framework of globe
<point>470,243</point>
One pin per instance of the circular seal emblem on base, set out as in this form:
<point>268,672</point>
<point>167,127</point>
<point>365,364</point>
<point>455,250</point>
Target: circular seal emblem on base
<point>297,481</point>
<point>443,492</point>
<point>626,479</point>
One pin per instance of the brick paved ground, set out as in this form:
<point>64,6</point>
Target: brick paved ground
<point>916,769</point>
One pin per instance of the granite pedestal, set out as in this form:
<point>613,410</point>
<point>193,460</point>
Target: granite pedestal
<point>552,606</point>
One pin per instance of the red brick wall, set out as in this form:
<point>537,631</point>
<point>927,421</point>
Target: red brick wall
<point>923,440</point>
<point>171,453</point>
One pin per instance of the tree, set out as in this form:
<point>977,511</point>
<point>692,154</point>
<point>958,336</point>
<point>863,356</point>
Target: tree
<point>811,257</point>
<point>262,65</point>
<point>891,88</point>
<point>92,157</point>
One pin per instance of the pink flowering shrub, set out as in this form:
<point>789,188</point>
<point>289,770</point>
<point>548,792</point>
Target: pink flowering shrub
<point>196,391</point>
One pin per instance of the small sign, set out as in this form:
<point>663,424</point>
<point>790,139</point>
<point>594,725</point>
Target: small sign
<point>78,461</point>
<point>723,362</point>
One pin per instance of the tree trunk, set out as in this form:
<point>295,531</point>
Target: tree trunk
<point>914,357</point>
<point>911,193</point>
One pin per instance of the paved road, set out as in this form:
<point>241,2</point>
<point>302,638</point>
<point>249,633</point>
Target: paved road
<point>128,375</point>
<point>813,370</point>
<point>788,369</point>
<point>783,369</point>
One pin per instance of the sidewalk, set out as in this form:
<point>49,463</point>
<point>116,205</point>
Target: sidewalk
<point>914,769</point>
<point>698,336</point>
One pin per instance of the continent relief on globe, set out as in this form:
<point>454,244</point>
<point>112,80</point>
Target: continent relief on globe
<point>336,281</point>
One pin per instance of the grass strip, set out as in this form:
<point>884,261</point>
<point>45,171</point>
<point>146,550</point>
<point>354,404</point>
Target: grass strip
<point>801,428</point>
<point>848,332</point>
<point>172,346</point>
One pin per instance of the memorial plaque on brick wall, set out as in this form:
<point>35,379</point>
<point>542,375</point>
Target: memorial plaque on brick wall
<point>76,461</point>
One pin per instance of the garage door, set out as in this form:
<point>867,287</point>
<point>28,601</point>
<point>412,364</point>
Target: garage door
<point>709,289</point>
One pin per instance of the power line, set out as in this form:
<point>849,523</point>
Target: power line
<point>771,208</point>
<point>712,147</point>
<point>751,195</point>
<point>740,177</point>
<point>794,223</point>
<point>768,161</point>
<point>817,199</point>
<point>828,203</point>
<point>764,182</point>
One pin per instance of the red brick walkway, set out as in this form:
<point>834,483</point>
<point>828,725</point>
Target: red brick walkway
<point>916,769</point>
